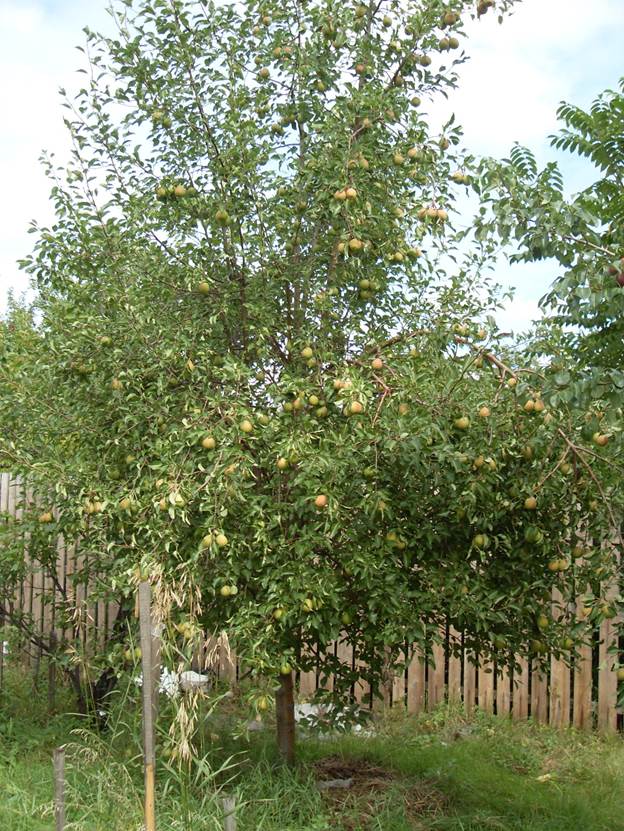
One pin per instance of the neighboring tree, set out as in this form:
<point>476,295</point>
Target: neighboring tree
<point>584,335</point>
<point>260,367</point>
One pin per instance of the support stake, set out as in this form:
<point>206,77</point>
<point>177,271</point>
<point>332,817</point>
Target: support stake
<point>59,788</point>
<point>229,809</point>
<point>148,690</point>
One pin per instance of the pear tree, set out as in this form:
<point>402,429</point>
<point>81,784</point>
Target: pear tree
<point>262,366</point>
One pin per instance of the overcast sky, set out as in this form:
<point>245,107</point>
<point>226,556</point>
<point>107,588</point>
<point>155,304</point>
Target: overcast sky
<point>550,50</point>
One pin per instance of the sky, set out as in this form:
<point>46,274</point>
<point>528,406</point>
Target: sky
<point>548,51</point>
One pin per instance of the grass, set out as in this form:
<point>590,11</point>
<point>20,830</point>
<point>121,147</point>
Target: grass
<point>433,772</point>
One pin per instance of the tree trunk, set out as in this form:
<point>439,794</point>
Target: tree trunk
<point>285,712</point>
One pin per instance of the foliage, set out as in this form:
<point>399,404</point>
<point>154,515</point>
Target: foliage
<point>262,368</point>
<point>584,235</point>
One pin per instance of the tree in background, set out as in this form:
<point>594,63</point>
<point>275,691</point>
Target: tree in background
<point>261,366</point>
<point>585,236</point>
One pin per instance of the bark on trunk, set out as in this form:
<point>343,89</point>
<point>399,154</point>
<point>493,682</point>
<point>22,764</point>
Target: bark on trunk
<point>285,712</point>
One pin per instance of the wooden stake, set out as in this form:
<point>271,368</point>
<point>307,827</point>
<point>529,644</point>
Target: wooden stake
<point>229,818</point>
<point>59,788</point>
<point>156,630</point>
<point>149,755</point>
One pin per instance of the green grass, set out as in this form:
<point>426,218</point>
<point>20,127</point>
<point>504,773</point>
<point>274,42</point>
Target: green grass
<point>433,772</point>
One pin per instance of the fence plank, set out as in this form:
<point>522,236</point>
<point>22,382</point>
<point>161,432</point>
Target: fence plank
<point>344,651</point>
<point>539,695</point>
<point>362,692</point>
<point>503,692</point>
<point>520,707</point>
<point>470,681</point>
<point>18,512</point>
<point>326,682</point>
<point>362,687</point>
<point>399,683</point>
<point>32,584</point>
<point>454,691</point>
<point>486,686</point>
<point>307,683</point>
<point>559,693</point>
<point>559,677</point>
<point>4,482</point>
<point>416,681</point>
<point>435,676</point>
<point>608,656</point>
<point>582,704</point>
<point>607,679</point>
<point>227,660</point>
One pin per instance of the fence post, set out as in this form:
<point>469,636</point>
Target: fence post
<point>229,818</point>
<point>148,689</point>
<point>59,788</point>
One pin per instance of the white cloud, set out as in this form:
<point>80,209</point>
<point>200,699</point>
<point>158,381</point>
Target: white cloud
<point>36,58</point>
<point>19,18</point>
<point>517,316</point>
<point>519,72</point>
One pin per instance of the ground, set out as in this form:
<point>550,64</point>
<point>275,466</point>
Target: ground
<point>439,771</point>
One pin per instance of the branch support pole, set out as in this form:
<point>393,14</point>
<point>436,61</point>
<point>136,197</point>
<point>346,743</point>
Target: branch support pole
<point>229,815</point>
<point>149,695</point>
<point>59,788</point>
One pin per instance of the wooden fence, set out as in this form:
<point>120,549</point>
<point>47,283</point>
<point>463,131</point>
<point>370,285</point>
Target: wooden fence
<point>50,598</point>
<point>583,694</point>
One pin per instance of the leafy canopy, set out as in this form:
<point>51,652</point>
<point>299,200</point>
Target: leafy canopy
<point>261,366</point>
<point>584,236</point>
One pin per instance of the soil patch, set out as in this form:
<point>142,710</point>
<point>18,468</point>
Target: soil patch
<point>372,789</point>
<point>360,771</point>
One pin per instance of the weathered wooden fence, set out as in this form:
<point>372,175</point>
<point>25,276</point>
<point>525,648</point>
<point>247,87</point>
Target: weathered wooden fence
<point>51,598</point>
<point>583,694</point>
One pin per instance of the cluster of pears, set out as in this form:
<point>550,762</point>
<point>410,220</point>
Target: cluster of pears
<point>354,246</point>
<point>307,353</point>
<point>432,214</point>
<point>300,402</point>
<point>368,288</point>
<point>161,119</point>
<point>353,406</point>
<point>559,564</point>
<point>346,193</point>
<point>171,193</point>
<point>534,404</point>
<point>445,44</point>
<point>228,590</point>
<point>460,178</point>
